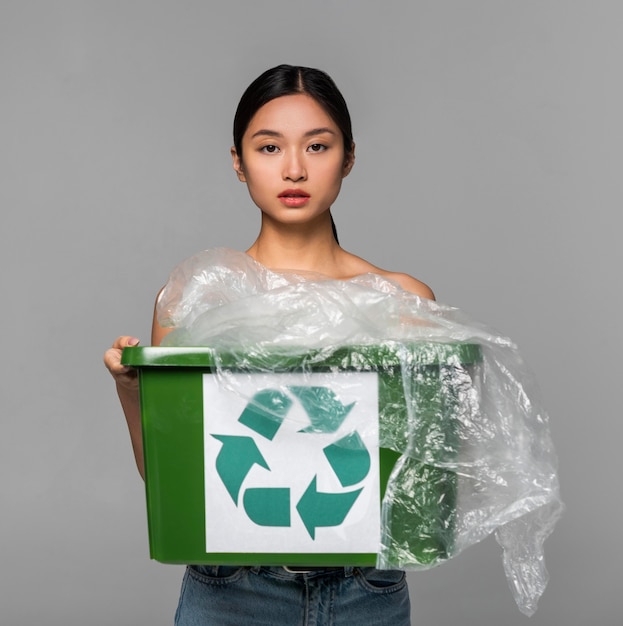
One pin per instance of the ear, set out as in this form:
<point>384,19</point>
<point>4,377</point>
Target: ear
<point>349,161</point>
<point>237,163</point>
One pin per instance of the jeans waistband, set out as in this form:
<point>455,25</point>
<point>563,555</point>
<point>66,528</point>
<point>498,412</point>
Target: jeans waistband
<point>295,569</point>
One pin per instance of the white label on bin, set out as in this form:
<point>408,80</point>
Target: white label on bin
<point>291,463</point>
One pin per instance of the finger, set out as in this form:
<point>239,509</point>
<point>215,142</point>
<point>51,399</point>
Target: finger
<point>112,360</point>
<point>125,341</point>
<point>112,356</point>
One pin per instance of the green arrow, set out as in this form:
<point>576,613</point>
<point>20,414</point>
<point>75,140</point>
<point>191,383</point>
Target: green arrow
<point>349,459</point>
<point>234,461</point>
<point>323,407</point>
<point>268,506</point>
<point>324,509</point>
<point>265,412</point>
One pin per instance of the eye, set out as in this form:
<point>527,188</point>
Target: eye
<point>317,147</point>
<point>270,149</point>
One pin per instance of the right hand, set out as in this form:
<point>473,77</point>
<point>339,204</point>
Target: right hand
<point>124,376</point>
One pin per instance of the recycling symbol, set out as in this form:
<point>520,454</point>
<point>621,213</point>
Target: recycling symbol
<point>263,416</point>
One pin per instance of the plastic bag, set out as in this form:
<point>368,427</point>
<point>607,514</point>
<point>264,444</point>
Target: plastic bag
<point>473,452</point>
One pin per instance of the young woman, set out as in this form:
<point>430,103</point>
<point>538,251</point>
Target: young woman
<point>293,146</point>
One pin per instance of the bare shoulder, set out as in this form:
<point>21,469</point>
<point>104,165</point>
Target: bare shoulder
<point>158,333</point>
<point>408,283</point>
<point>358,266</point>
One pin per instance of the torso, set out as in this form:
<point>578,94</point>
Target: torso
<point>352,265</point>
<point>335,262</point>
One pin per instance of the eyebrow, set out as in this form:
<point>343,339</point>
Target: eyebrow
<point>265,132</point>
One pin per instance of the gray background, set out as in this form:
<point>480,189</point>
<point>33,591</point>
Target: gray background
<point>489,142</point>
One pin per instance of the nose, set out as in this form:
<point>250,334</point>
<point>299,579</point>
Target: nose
<point>294,167</point>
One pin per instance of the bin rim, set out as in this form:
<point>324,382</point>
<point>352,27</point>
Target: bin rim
<point>369,356</point>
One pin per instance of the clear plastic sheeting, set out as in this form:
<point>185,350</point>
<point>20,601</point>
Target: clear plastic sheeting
<point>461,424</point>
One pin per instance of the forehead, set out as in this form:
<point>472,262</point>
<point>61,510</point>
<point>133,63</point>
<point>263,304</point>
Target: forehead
<point>291,114</point>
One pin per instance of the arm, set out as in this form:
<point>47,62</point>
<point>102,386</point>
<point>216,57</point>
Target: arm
<point>126,381</point>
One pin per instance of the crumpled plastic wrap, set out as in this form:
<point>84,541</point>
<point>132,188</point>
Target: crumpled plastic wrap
<point>471,439</point>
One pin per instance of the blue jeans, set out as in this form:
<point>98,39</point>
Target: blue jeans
<point>272,596</point>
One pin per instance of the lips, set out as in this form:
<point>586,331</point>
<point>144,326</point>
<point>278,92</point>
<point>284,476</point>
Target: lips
<point>294,197</point>
<point>293,193</point>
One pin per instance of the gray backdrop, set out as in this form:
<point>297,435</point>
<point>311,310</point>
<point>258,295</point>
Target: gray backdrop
<point>489,154</point>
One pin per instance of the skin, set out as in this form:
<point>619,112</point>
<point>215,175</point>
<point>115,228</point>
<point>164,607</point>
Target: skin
<point>290,144</point>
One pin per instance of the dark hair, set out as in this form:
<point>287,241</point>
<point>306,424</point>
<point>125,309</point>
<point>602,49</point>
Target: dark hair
<point>287,80</point>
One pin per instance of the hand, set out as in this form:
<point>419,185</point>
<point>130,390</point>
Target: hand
<point>124,376</point>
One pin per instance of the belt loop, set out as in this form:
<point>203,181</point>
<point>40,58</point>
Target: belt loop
<point>348,571</point>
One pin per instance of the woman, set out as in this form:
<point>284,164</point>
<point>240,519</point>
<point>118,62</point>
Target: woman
<point>293,146</point>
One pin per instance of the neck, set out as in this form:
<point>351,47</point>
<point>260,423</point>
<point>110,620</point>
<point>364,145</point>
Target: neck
<point>311,248</point>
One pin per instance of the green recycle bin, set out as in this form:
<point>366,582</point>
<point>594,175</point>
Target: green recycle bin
<point>306,459</point>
